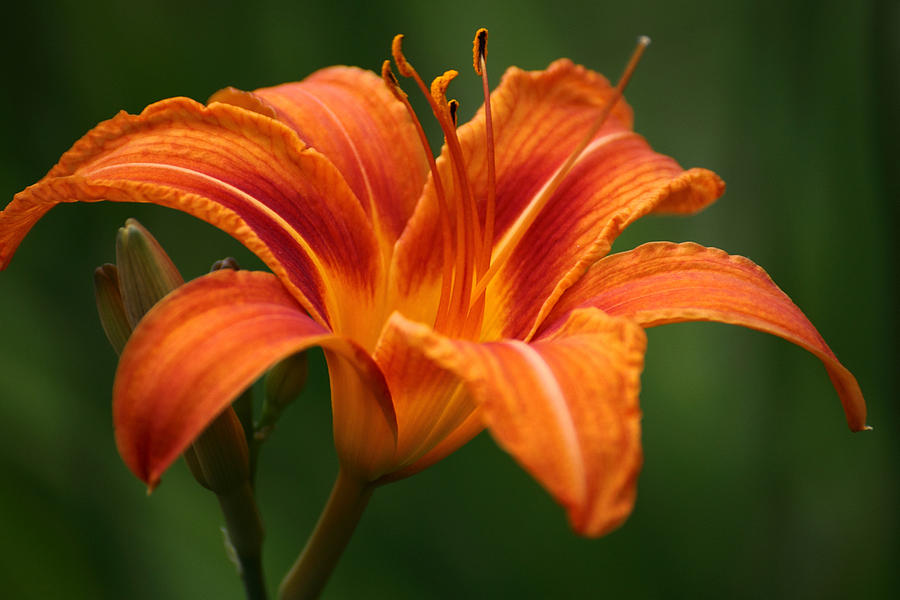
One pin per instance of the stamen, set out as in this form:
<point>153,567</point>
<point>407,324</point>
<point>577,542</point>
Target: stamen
<point>468,228</point>
<point>397,51</point>
<point>440,84</point>
<point>479,49</point>
<point>446,233</point>
<point>391,80</point>
<point>468,225</point>
<point>479,57</point>
<point>525,220</point>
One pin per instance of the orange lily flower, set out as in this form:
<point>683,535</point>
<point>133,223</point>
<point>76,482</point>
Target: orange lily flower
<point>449,295</point>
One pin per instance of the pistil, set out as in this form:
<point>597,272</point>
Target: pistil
<point>537,204</point>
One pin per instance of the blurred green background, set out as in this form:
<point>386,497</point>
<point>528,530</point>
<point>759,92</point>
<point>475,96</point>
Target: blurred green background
<point>753,486</point>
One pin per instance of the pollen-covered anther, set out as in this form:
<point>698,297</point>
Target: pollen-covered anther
<point>439,86</point>
<point>479,49</point>
<point>403,66</point>
<point>391,81</point>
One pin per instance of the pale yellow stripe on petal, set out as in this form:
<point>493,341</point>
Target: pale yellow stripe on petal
<point>274,216</point>
<point>550,390</point>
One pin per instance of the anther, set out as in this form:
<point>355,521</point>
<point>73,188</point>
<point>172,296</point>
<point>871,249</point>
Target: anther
<point>439,86</point>
<point>453,105</point>
<point>449,249</point>
<point>479,49</point>
<point>397,51</point>
<point>391,80</point>
<point>451,315</point>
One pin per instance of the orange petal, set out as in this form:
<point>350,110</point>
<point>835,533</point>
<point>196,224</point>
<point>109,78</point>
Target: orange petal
<point>661,283</point>
<point>429,401</point>
<point>444,447</point>
<point>565,406</point>
<point>538,120</point>
<point>348,115</point>
<point>207,341</point>
<point>594,206</point>
<point>244,173</point>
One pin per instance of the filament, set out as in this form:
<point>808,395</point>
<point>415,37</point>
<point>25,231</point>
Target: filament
<point>446,234</point>
<point>466,215</point>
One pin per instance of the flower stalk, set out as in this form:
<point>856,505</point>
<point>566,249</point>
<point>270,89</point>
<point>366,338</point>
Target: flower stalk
<point>219,458</point>
<point>308,576</point>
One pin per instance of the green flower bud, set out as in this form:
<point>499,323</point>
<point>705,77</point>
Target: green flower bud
<point>283,384</point>
<point>219,460</point>
<point>219,457</point>
<point>109,306</point>
<point>225,263</point>
<point>146,273</point>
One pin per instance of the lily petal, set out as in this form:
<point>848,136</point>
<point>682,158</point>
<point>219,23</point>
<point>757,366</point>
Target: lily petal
<point>565,406</point>
<point>617,180</point>
<point>348,115</point>
<point>662,282</point>
<point>429,401</point>
<point>242,172</point>
<point>206,342</point>
<point>539,118</point>
<point>453,441</point>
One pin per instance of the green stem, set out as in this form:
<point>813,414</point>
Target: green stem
<point>245,534</point>
<point>308,576</point>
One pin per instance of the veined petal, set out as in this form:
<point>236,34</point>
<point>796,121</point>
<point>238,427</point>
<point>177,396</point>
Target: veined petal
<point>207,341</point>
<point>444,447</point>
<point>565,406</point>
<point>662,282</point>
<point>538,120</point>
<point>348,115</point>
<point>616,180</point>
<point>244,173</point>
<point>592,208</point>
<point>416,266</point>
<point>429,401</point>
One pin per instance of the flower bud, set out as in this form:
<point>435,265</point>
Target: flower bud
<point>109,306</point>
<point>283,384</point>
<point>146,273</point>
<point>225,263</point>
<point>219,458</point>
